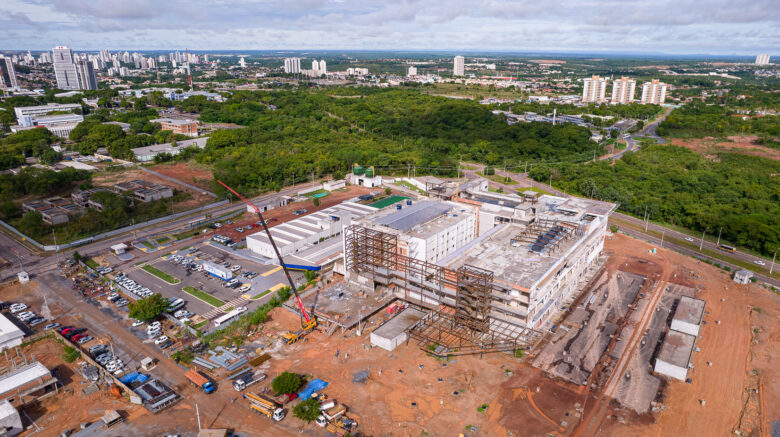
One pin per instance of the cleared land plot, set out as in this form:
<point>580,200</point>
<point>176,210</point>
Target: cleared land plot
<point>202,295</point>
<point>573,354</point>
<point>160,274</point>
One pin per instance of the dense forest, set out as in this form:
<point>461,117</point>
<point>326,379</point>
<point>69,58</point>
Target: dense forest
<point>739,193</point>
<point>697,120</point>
<point>291,135</point>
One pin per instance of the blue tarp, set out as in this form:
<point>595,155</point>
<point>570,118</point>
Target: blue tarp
<point>312,387</point>
<point>133,377</point>
<point>142,378</point>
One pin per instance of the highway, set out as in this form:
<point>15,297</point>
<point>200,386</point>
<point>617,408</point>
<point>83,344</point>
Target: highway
<point>36,263</point>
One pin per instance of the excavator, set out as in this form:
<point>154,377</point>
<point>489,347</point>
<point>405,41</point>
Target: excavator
<point>308,324</point>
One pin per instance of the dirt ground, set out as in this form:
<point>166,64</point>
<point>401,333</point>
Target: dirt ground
<point>187,172</point>
<point>111,178</point>
<point>745,145</point>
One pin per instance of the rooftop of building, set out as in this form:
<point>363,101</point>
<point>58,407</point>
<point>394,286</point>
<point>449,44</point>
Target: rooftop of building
<point>400,323</point>
<point>409,217</point>
<point>689,310</point>
<point>174,121</point>
<point>22,376</point>
<point>168,147</point>
<point>47,107</point>
<point>8,330</point>
<point>677,348</point>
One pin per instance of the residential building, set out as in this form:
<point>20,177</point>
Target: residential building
<point>458,66</point>
<point>60,125</point>
<point>187,126</point>
<point>594,89</point>
<point>155,192</point>
<point>653,92</point>
<point>357,71</point>
<point>242,62</point>
<point>146,154</point>
<point>412,71</point>
<point>54,210</point>
<point>81,197</point>
<point>7,74</point>
<point>10,334</point>
<point>65,69</point>
<point>292,65</point>
<point>32,111</point>
<point>86,75</point>
<point>623,91</point>
<point>762,60</point>
<point>26,384</point>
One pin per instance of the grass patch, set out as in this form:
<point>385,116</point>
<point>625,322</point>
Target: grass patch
<point>202,295</point>
<point>319,193</point>
<point>534,189</point>
<point>200,325</point>
<point>409,186</point>
<point>499,179</point>
<point>163,240</point>
<point>91,263</point>
<point>160,274</point>
<point>387,201</point>
<point>148,245</point>
<point>187,234</point>
<point>258,296</point>
<point>229,309</point>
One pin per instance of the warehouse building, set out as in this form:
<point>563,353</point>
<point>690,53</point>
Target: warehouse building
<point>305,232</point>
<point>688,315</point>
<point>675,355</point>
<point>393,333</point>
<point>26,384</point>
<point>10,334</point>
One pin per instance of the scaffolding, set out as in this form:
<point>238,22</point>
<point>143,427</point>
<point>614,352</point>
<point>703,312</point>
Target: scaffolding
<point>458,301</point>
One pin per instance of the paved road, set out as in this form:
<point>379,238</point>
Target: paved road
<point>35,263</point>
<point>648,131</point>
<point>688,247</point>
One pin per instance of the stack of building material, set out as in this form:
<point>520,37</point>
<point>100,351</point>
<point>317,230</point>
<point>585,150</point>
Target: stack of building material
<point>228,360</point>
<point>202,362</point>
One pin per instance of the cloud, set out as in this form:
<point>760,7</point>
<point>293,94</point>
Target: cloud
<point>714,26</point>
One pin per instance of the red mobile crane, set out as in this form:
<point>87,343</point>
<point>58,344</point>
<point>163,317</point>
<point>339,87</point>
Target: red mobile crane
<point>307,323</point>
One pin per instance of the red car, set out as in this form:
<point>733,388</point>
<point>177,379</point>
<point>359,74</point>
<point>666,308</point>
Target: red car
<point>78,337</point>
<point>66,331</point>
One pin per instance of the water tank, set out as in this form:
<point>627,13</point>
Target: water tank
<point>370,172</point>
<point>357,170</point>
<point>408,201</point>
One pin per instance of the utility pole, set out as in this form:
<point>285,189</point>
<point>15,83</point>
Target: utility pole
<point>721,228</point>
<point>701,243</point>
<point>197,412</point>
<point>662,238</point>
<point>526,168</point>
<point>773,262</point>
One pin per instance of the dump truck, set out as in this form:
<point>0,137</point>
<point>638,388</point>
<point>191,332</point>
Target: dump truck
<point>248,379</point>
<point>266,406</point>
<point>201,381</point>
<point>334,412</point>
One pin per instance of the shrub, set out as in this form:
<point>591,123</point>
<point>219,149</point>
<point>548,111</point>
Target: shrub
<point>70,354</point>
<point>286,382</point>
<point>307,410</point>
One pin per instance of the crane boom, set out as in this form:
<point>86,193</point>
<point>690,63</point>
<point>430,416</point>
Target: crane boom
<point>276,250</point>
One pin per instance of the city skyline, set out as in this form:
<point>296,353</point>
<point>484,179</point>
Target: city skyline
<point>641,27</point>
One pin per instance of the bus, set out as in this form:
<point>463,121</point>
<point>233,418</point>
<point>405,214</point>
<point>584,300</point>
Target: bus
<point>229,317</point>
<point>727,248</point>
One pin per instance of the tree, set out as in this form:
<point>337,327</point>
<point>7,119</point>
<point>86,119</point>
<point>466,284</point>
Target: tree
<point>77,256</point>
<point>286,382</point>
<point>31,223</point>
<point>388,191</point>
<point>307,410</point>
<point>316,201</point>
<point>148,308</point>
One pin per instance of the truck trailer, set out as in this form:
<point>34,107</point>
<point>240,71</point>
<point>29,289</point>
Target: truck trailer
<point>201,381</point>
<point>247,380</point>
<point>220,272</point>
<point>265,406</point>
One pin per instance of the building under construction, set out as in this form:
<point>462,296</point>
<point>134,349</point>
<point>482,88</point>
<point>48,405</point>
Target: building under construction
<point>487,269</point>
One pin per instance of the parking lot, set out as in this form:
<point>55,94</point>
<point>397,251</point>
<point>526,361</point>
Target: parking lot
<point>181,268</point>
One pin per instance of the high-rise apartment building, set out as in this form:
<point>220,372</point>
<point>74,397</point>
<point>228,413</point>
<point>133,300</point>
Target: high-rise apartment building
<point>412,71</point>
<point>86,75</point>
<point>459,66</point>
<point>7,74</point>
<point>292,65</point>
<point>653,92</point>
<point>65,69</point>
<point>623,91</point>
<point>594,89</point>
<point>762,60</point>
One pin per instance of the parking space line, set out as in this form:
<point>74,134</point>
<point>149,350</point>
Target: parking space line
<point>272,271</point>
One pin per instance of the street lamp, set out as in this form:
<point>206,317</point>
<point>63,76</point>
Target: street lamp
<point>773,262</point>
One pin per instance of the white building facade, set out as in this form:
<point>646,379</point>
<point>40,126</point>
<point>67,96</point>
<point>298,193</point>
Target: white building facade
<point>653,92</point>
<point>459,66</point>
<point>594,89</point>
<point>623,91</point>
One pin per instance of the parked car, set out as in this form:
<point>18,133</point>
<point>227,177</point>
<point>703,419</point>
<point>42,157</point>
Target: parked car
<point>137,323</point>
<point>759,262</point>
<point>78,337</point>
<point>64,329</point>
<point>85,339</point>
<point>18,307</point>
<point>300,211</point>
<point>235,268</point>
<point>244,289</point>
<point>166,344</point>
<point>52,326</point>
<point>161,340</point>
<point>36,321</point>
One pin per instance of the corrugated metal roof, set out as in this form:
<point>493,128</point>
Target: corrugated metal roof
<point>411,216</point>
<point>22,376</point>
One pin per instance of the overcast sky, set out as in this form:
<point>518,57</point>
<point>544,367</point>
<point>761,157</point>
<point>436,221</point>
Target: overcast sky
<point>744,27</point>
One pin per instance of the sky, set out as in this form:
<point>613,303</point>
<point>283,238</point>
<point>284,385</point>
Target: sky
<point>716,27</point>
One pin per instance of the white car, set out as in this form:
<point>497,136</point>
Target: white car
<point>244,289</point>
<point>161,340</point>
<point>155,324</point>
<point>240,309</point>
<point>137,323</point>
<point>759,262</point>
<point>235,268</point>
<point>689,239</point>
<point>15,308</point>
<point>154,334</point>
<point>27,315</point>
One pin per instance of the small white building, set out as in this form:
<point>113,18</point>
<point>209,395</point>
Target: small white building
<point>743,276</point>
<point>688,315</point>
<point>393,333</point>
<point>334,185</point>
<point>119,248</point>
<point>675,355</point>
<point>10,334</point>
<point>364,181</point>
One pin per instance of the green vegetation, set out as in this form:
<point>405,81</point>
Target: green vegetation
<point>91,263</point>
<point>482,408</point>
<point>30,143</point>
<point>148,308</point>
<point>410,186</point>
<point>163,240</point>
<point>500,179</point>
<point>387,201</point>
<point>160,274</point>
<point>183,356</point>
<point>319,193</point>
<point>518,353</point>
<point>286,382</point>
<point>697,120</point>
<point>147,244</point>
<point>202,295</point>
<point>307,410</point>
<point>534,189</point>
<point>200,324</point>
<point>735,192</point>
<point>37,181</point>
<point>70,354</point>
<point>258,296</point>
